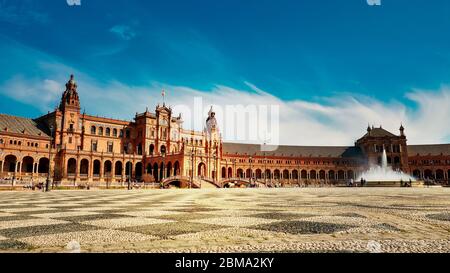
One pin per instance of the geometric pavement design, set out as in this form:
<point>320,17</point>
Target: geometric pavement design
<point>233,220</point>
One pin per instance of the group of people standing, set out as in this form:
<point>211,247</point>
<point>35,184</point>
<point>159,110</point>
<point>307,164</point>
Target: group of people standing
<point>362,183</point>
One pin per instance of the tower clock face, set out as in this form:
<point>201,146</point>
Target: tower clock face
<point>163,122</point>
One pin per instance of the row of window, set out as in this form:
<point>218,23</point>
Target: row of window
<point>296,162</point>
<point>196,142</point>
<point>396,160</point>
<point>109,147</point>
<point>128,148</point>
<point>108,132</point>
<point>119,133</point>
<point>389,148</point>
<point>30,144</point>
<point>19,143</point>
<point>429,162</point>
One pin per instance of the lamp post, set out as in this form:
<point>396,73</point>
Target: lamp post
<point>265,169</point>
<point>192,170</point>
<point>130,170</point>
<point>1,171</point>
<point>214,176</point>
<point>47,186</point>
<point>163,155</point>
<point>191,181</point>
<point>251,171</point>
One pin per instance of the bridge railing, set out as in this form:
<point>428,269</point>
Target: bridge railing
<point>178,177</point>
<point>196,181</point>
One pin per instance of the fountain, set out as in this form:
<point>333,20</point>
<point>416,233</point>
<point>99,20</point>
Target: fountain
<point>384,176</point>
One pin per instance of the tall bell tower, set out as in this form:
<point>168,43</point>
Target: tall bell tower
<point>70,100</point>
<point>69,129</point>
<point>213,144</point>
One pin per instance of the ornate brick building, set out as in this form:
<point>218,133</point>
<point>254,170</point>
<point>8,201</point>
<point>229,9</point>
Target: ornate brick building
<point>77,148</point>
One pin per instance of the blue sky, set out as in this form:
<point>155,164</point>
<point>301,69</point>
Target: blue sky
<point>313,52</point>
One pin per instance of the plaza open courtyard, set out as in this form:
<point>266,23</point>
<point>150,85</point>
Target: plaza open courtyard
<point>227,220</point>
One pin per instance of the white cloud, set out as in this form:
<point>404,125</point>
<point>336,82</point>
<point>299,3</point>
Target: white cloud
<point>23,14</point>
<point>123,31</point>
<point>432,115</point>
<point>37,92</point>
<point>337,120</point>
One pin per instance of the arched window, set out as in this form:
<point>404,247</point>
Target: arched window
<point>258,174</point>
<point>71,167</point>
<point>100,131</point>
<point>295,174</point>
<point>114,132</point>
<point>276,174</point>
<point>331,175</point>
<point>304,174</point>
<point>118,168</point>
<point>93,130</point>
<point>240,173</point>
<point>440,175</point>
<point>428,174</point>
<point>152,149</point>
<point>108,132</point>
<point>341,175</point>
<point>84,167</point>
<point>286,174</point>
<point>322,175</point>
<point>313,175</point>
<point>96,169</point>
<point>107,168</point>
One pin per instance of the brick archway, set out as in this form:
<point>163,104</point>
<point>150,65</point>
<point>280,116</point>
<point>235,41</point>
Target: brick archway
<point>44,165</point>
<point>10,163</point>
<point>71,166</point>
<point>118,168</point>
<point>27,164</point>
<point>84,167</point>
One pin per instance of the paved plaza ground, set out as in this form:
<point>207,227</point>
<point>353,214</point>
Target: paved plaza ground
<point>228,220</point>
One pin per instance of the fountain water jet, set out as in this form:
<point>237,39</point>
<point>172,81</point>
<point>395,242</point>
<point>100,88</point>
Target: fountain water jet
<point>384,173</point>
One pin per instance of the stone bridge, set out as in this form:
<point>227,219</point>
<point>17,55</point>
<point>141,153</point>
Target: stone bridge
<point>203,182</point>
<point>235,182</point>
<point>185,182</point>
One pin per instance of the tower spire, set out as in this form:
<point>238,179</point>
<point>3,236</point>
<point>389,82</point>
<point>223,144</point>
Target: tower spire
<point>70,97</point>
<point>163,94</point>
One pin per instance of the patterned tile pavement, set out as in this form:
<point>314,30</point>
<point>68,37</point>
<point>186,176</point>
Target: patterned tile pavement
<point>235,220</point>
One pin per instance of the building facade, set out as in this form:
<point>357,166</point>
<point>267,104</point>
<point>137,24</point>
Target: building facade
<point>75,148</point>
